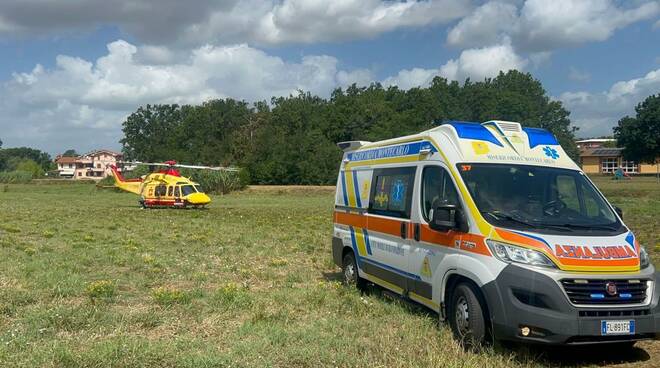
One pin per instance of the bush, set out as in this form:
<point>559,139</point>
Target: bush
<point>169,296</point>
<point>101,289</point>
<point>220,182</point>
<point>15,177</point>
<point>30,166</point>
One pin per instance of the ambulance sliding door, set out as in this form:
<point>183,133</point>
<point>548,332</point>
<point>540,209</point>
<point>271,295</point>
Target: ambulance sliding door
<point>388,223</point>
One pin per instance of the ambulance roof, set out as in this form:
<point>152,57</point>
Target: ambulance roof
<point>458,141</point>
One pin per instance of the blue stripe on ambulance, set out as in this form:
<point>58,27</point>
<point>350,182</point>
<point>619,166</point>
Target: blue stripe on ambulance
<point>539,137</point>
<point>354,245</point>
<point>361,259</point>
<point>343,188</point>
<point>366,239</point>
<point>407,149</point>
<point>474,131</point>
<point>630,239</point>
<point>357,189</point>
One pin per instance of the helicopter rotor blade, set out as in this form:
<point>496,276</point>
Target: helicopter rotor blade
<point>214,168</point>
<point>140,163</point>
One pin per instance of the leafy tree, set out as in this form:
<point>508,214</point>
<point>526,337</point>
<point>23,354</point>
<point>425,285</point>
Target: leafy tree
<point>31,167</point>
<point>13,156</point>
<point>70,153</point>
<point>292,139</point>
<point>640,135</point>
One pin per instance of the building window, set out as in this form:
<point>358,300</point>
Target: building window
<point>629,167</point>
<point>79,173</point>
<point>609,165</point>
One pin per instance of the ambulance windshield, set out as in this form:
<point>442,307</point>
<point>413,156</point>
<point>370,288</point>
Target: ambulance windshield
<point>541,199</point>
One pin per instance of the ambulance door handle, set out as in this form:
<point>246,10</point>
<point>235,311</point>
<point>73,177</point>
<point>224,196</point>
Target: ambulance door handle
<point>417,232</point>
<point>404,230</point>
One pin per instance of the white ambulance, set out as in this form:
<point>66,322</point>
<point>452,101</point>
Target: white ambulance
<point>495,228</point>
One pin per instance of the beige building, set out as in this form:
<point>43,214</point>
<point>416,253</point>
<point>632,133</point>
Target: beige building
<point>604,160</point>
<point>93,165</point>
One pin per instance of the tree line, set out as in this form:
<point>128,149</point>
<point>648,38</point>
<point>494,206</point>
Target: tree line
<point>293,139</point>
<point>21,164</point>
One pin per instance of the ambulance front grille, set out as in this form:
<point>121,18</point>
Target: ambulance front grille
<point>595,292</point>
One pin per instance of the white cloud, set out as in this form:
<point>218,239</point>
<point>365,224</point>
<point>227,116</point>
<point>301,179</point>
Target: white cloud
<point>597,113</point>
<point>321,20</point>
<point>169,22</point>
<point>485,26</point>
<point>545,25</point>
<point>80,103</point>
<point>481,63</point>
<point>411,78</point>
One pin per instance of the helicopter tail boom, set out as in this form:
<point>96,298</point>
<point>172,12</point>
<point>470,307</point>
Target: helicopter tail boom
<point>129,185</point>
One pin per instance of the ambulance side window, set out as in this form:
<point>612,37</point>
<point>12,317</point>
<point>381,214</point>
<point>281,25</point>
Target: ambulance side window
<point>391,192</point>
<point>437,188</point>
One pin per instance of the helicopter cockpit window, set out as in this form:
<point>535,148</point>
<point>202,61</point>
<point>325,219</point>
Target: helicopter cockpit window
<point>187,189</point>
<point>198,188</point>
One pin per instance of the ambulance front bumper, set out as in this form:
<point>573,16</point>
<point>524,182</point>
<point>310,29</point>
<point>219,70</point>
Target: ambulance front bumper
<point>522,297</point>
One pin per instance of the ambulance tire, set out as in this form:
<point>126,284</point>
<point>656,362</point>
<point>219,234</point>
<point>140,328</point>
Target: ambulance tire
<point>349,271</point>
<point>466,316</point>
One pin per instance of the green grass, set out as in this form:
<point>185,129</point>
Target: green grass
<point>89,279</point>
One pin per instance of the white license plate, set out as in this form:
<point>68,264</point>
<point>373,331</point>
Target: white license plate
<point>617,327</point>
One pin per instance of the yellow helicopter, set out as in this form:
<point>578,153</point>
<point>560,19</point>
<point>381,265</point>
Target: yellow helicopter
<point>166,187</point>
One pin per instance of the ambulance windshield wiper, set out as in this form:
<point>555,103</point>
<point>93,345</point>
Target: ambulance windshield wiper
<point>499,215</point>
<point>587,227</point>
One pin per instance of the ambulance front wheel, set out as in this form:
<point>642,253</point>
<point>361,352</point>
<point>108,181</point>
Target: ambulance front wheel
<point>466,316</point>
<point>349,271</point>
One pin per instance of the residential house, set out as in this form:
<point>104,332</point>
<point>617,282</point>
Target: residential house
<point>93,165</point>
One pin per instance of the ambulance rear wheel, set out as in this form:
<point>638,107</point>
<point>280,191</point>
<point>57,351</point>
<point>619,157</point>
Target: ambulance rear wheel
<point>349,272</point>
<point>466,316</point>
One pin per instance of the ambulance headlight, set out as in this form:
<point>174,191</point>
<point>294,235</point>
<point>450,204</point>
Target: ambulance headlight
<point>644,259</point>
<point>512,253</point>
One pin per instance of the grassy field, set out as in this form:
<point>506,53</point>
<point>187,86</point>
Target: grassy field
<point>89,279</point>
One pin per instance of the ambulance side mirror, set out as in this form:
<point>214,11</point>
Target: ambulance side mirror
<point>448,217</point>
<point>618,211</point>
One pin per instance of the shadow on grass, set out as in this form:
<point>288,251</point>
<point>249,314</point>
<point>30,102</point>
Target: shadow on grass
<point>575,356</point>
<point>565,356</point>
<point>384,294</point>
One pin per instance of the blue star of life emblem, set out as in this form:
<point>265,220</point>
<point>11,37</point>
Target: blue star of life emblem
<point>551,152</point>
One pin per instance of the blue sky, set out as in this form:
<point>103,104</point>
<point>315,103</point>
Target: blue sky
<point>72,71</point>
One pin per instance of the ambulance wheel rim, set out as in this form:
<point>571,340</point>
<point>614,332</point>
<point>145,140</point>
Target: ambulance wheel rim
<point>462,315</point>
<point>349,273</point>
